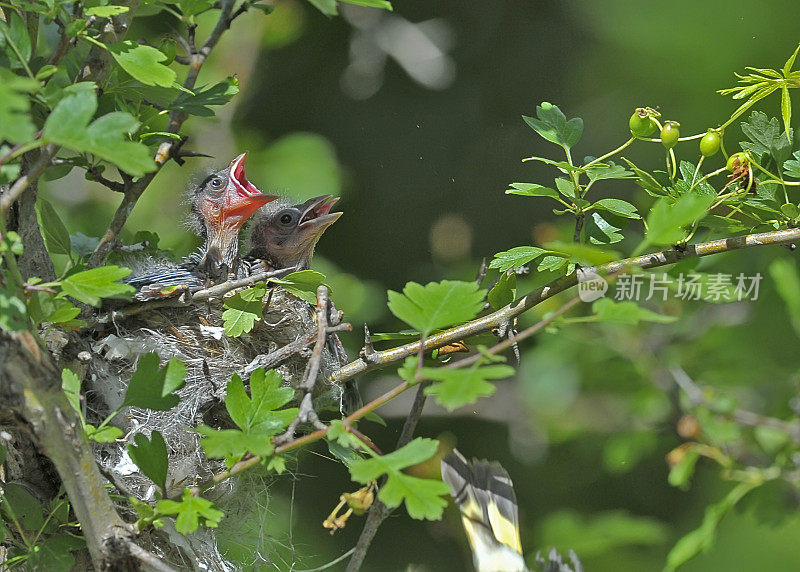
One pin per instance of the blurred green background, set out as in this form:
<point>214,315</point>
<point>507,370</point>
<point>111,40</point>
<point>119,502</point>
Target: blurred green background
<point>413,118</point>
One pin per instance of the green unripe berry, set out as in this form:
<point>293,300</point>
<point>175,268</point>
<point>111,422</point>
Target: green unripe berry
<point>736,161</point>
<point>641,123</point>
<point>710,143</point>
<point>670,134</point>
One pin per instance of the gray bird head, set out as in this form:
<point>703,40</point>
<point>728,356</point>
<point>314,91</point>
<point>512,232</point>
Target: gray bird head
<point>221,204</point>
<point>285,235</point>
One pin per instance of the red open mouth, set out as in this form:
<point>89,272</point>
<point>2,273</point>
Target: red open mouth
<point>318,212</point>
<point>244,198</point>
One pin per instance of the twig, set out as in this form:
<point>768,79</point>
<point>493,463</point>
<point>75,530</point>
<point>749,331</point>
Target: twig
<point>33,174</point>
<point>148,558</point>
<point>167,148</point>
<point>272,359</point>
<point>222,289</point>
<point>495,319</point>
<point>306,412</point>
<point>115,186</point>
<point>751,419</point>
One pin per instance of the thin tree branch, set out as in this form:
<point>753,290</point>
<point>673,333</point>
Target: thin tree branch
<point>97,176</point>
<point>145,557</point>
<point>33,174</point>
<point>306,412</point>
<point>697,397</point>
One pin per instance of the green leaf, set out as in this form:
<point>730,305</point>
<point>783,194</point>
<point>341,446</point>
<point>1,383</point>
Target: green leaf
<point>647,181</point>
<point>327,7</point>
<point>792,167</point>
<point>14,32</point>
<point>11,242</point>
<point>13,313</point>
<point>150,455</point>
<point>458,387</point>
<point>607,310</point>
<point>198,103</point>
<point>22,505</point>
<point>423,497</point>
<point>437,304</point>
<point>68,125</point>
<point>256,417</point>
<point>384,4</point>
<point>681,473</point>
<point>609,170</point>
<point>504,291</point>
<point>104,434</point>
<point>16,125</point>
<point>71,385</point>
<point>702,539</point>
<point>54,554</point>
<point>257,413</point>
<point>142,63</point>
<point>566,187</point>
<point>552,124</point>
<point>302,284</point>
<point>152,387</point>
<point>516,257</point>
<point>193,7</point>
<point>617,207</point>
<point>603,229</point>
<point>552,263</point>
<point>666,221</point>
<point>787,67</point>
<point>243,310</point>
<point>585,254</point>
<point>192,511</point>
<point>786,112</point>
<point>766,137</point>
<point>106,11</point>
<point>233,444</point>
<point>55,234</point>
<point>339,434</point>
<point>89,286</point>
<point>531,190</point>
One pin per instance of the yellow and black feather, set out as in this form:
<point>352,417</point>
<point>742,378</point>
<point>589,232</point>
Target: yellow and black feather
<point>485,494</point>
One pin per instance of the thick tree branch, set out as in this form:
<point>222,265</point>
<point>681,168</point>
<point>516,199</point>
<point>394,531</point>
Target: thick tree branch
<point>30,383</point>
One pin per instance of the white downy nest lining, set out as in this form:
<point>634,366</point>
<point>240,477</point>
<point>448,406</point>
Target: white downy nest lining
<point>194,335</point>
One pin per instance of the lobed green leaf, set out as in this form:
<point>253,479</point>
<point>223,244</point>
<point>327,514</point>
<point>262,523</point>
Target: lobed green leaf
<point>437,304</point>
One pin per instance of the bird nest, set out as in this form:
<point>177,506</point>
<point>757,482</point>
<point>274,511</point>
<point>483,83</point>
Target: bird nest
<point>107,357</point>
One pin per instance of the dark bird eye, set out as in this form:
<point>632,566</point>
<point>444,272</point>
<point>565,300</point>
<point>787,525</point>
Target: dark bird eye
<point>216,183</point>
<point>286,219</point>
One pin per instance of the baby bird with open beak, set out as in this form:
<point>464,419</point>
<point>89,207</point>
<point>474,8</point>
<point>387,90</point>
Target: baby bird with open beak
<point>284,236</point>
<point>221,204</point>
